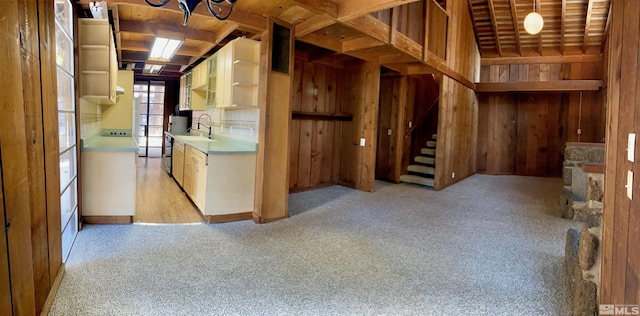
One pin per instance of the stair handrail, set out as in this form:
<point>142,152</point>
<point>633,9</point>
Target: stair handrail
<point>422,119</point>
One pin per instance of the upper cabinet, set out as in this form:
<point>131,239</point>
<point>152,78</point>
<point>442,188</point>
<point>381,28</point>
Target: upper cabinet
<point>228,79</point>
<point>238,69</point>
<point>98,63</point>
<point>212,64</point>
<point>185,92</point>
<point>199,77</point>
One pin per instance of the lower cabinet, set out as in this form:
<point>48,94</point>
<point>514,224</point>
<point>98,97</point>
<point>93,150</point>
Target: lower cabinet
<point>109,183</point>
<point>218,184</point>
<point>195,176</point>
<point>177,165</point>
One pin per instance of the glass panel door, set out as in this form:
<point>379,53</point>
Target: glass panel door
<point>151,117</point>
<point>66,125</point>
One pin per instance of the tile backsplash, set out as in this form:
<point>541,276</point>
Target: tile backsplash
<point>241,124</point>
<point>90,118</point>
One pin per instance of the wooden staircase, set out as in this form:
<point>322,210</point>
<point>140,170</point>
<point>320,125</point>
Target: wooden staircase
<point>423,171</point>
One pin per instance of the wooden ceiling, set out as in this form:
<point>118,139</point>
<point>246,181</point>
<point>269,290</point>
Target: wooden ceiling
<point>571,27</point>
<point>346,27</point>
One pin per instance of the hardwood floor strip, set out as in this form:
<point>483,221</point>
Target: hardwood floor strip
<point>159,198</point>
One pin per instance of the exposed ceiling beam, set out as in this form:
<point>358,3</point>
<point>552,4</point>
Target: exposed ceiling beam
<point>323,42</point>
<point>563,20</point>
<point>143,27</point>
<point>539,10</point>
<point>541,86</point>
<point>473,22</point>
<point>317,22</point>
<point>542,60</point>
<point>360,43</point>
<point>320,7</point>
<point>371,26</point>
<point>587,26</point>
<point>606,26</point>
<point>249,21</point>
<point>516,27</point>
<point>354,8</point>
<point>494,22</point>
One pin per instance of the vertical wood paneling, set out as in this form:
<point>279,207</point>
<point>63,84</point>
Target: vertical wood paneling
<point>46,14</point>
<point>5,281</point>
<point>357,168</point>
<point>314,143</point>
<point>523,134</point>
<point>385,156</point>
<point>458,109</point>
<point>32,93</point>
<point>621,218</point>
<point>296,105</point>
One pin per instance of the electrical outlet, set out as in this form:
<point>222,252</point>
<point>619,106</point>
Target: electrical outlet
<point>579,131</point>
<point>389,132</point>
<point>410,124</point>
<point>453,175</point>
<point>362,142</point>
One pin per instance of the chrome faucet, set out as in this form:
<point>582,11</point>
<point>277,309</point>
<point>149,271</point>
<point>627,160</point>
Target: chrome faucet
<point>206,125</point>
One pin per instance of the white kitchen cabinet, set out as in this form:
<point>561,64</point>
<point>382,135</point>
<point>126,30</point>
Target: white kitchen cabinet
<point>109,183</point>
<point>177,165</point>
<point>185,92</point>
<point>97,62</point>
<point>238,70</point>
<point>195,176</point>
<point>212,65</point>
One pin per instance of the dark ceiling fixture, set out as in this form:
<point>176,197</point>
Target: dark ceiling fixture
<point>220,9</point>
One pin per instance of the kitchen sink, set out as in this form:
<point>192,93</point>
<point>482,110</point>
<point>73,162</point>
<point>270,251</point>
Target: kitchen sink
<point>197,139</point>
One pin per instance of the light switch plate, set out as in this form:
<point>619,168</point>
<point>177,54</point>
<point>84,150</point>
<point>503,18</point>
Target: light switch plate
<point>631,147</point>
<point>362,142</point>
<point>389,132</point>
<point>629,185</point>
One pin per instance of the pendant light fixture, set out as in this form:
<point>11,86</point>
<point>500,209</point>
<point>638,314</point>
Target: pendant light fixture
<point>533,22</point>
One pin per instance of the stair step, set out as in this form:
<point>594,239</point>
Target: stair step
<point>416,180</point>
<point>425,160</point>
<point>434,136</point>
<point>428,151</point>
<point>422,169</point>
<point>432,144</point>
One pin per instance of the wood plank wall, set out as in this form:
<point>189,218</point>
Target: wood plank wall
<point>522,134</point>
<point>362,89</point>
<point>315,154</point>
<point>458,111</point>
<point>29,140</point>
<point>586,114</point>
<point>525,133</point>
<point>620,278</point>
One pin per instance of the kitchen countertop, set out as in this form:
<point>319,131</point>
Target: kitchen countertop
<point>220,146</point>
<point>109,143</point>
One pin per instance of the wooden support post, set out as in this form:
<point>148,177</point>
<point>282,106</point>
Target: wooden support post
<point>276,85</point>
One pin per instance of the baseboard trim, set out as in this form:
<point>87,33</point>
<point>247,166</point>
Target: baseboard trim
<point>319,186</point>
<point>119,220</point>
<point>261,220</point>
<point>53,292</point>
<point>256,218</point>
<point>212,219</point>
